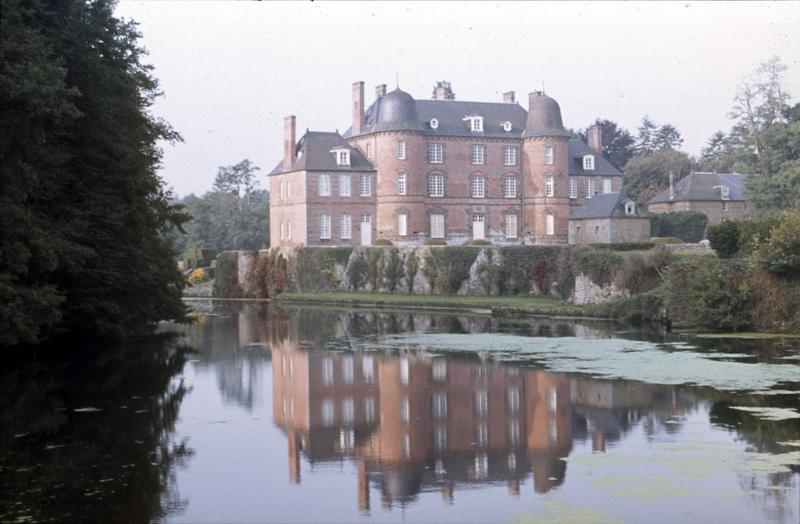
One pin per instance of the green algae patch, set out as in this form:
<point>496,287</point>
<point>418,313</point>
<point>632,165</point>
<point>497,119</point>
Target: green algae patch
<point>552,512</point>
<point>771,414</point>
<point>608,358</point>
<point>748,335</point>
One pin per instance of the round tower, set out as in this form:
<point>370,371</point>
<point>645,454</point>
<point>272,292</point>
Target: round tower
<point>545,172</point>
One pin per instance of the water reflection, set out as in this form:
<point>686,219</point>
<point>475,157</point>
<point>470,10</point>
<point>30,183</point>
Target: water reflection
<point>89,434</point>
<point>414,421</point>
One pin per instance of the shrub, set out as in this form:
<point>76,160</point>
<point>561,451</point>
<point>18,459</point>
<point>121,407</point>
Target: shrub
<point>382,242</point>
<point>598,264</point>
<point>375,268</point>
<point>523,267</point>
<point>393,271</point>
<point>644,271</point>
<point>480,242</point>
<point>780,254</point>
<point>197,276</point>
<point>636,309</point>
<point>411,268</point>
<point>316,267</point>
<point>689,226</point>
<point>446,269</point>
<point>724,238</point>
<point>435,242</point>
<point>226,283</point>
<point>357,271</point>
<point>625,246</point>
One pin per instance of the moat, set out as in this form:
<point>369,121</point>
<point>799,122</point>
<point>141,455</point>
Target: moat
<point>265,413</point>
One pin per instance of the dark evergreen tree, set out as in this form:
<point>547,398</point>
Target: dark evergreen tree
<point>618,144</point>
<point>667,138</point>
<point>84,214</point>
<point>645,142</point>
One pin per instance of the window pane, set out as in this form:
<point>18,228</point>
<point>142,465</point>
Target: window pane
<point>365,188</point>
<point>478,187</point>
<point>549,155</point>
<point>401,149</point>
<point>401,183</point>
<point>346,227</point>
<point>510,187</point>
<point>435,153</point>
<point>437,226</point>
<point>436,186</point>
<point>511,226</point>
<point>324,226</point>
<point>477,155</point>
<point>573,188</point>
<point>548,186</point>
<point>344,185</point>
<point>550,225</point>
<point>324,185</point>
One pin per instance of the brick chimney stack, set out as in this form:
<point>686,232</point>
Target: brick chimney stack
<point>358,107</point>
<point>508,97</point>
<point>671,185</point>
<point>380,90</point>
<point>595,137</point>
<point>441,92</point>
<point>289,141</point>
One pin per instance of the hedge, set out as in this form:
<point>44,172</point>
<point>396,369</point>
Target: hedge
<point>689,226</point>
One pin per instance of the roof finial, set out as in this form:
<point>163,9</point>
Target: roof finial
<point>396,79</point>
<point>543,92</point>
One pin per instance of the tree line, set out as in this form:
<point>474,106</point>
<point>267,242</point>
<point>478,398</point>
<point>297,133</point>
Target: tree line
<point>84,216</point>
<point>764,139</point>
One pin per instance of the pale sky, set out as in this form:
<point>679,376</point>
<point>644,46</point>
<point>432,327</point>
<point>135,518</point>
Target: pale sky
<point>230,72</point>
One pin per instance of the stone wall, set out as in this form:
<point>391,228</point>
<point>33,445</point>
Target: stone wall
<point>548,271</point>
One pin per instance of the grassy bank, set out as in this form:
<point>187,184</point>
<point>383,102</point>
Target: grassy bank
<point>497,304</point>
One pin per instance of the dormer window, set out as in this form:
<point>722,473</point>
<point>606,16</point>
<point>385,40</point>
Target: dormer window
<point>725,192</point>
<point>342,156</point>
<point>434,123</point>
<point>507,126</point>
<point>475,123</point>
<point>630,208</point>
<point>588,162</point>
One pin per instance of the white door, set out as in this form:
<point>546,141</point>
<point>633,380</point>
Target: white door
<point>478,229</point>
<point>606,185</point>
<point>366,229</point>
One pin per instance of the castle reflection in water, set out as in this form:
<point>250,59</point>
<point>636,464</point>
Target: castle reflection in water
<point>415,421</point>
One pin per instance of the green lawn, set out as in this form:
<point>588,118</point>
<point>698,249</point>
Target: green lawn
<point>511,304</point>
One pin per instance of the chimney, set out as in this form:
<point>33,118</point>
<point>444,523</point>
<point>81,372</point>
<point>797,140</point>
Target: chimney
<point>441,91</point>
<point>358,107</point>
<point>380,90</point>
<point>671,185</point>
<point>508,97</point>
<point>289,141</point>
<point>595,137</point>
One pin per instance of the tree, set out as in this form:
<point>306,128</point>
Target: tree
<point>618,144</point>
<point>84,214</point>
<point>712,154</point>
<point>667,138</point>
<point>645,142</point>
<point>647,175</point>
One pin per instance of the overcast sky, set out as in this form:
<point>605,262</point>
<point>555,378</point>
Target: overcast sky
<point>230,72</point>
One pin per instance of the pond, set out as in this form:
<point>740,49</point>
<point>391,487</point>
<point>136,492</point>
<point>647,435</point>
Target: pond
<point>265,413</point>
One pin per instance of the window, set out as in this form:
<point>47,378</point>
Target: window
<point>402,224</point>
<point>369,409</point>
<point>630,208</point>
<point>401,182</point>
<point>283,230</point>
<point>589,187</point>
<point>324,226</point>
<point>437,226</point>
<point>405,411</point>
<point>347,369</point>
<point>510,187</point>
<point>365,185</point>
<point>573,188</point>
<point>327,412</point>
<point>288,189</point>
<point>368,369</point>
<point>440,404</point>
<point>552,400</point>
<point>404,370</point>
<point>440,437</point>
<point>283,190</point>
<point>509,156</point>
<point>475,123</point>
<point>478,154</point>
<point>439,370</point>
<point>549,155</point>
<point>481,402</point>
<point>406,446</point>
<point>588,162</point>
<point>724,205</point>
<point>482,435</point>
<point>548,186</point>
<point>400,149</point>
<point>347,438</point>
<point>368,150</point>
<point>507,126</point>
<point>513,400</point>
<point>327,371</point>
<point>436,185</point>
<point>342,157</point>
<point>552,430</point>
<point>434,123</point>
<point>344,185</point>
<point>725,192</point>
<point>324,185</point>
<point>435,153</point>
<point>288,230</point>
<point>606,185</point>
<point>513,432</point>
<point>345,227</point>
<point>549,224</point>
<point>348,413</point>
<point>478,187</point>
<point>511,226</point>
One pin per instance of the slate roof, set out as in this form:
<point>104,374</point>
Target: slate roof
<point>605,205</point>
<point>451,113</point>
<point>314,154</point>
<point>602,167</point>
<point>700,186</point>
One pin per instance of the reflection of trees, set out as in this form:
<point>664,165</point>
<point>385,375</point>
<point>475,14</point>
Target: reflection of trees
<point>115,464</point>
<point>233,345</point>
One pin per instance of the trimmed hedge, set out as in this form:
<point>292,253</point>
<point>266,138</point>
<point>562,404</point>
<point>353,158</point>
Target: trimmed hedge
<point>689,226</point>
<point>446,269</point>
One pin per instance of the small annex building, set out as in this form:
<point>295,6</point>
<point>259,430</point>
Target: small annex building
<point>719,196</point>
<point>608,218</point>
